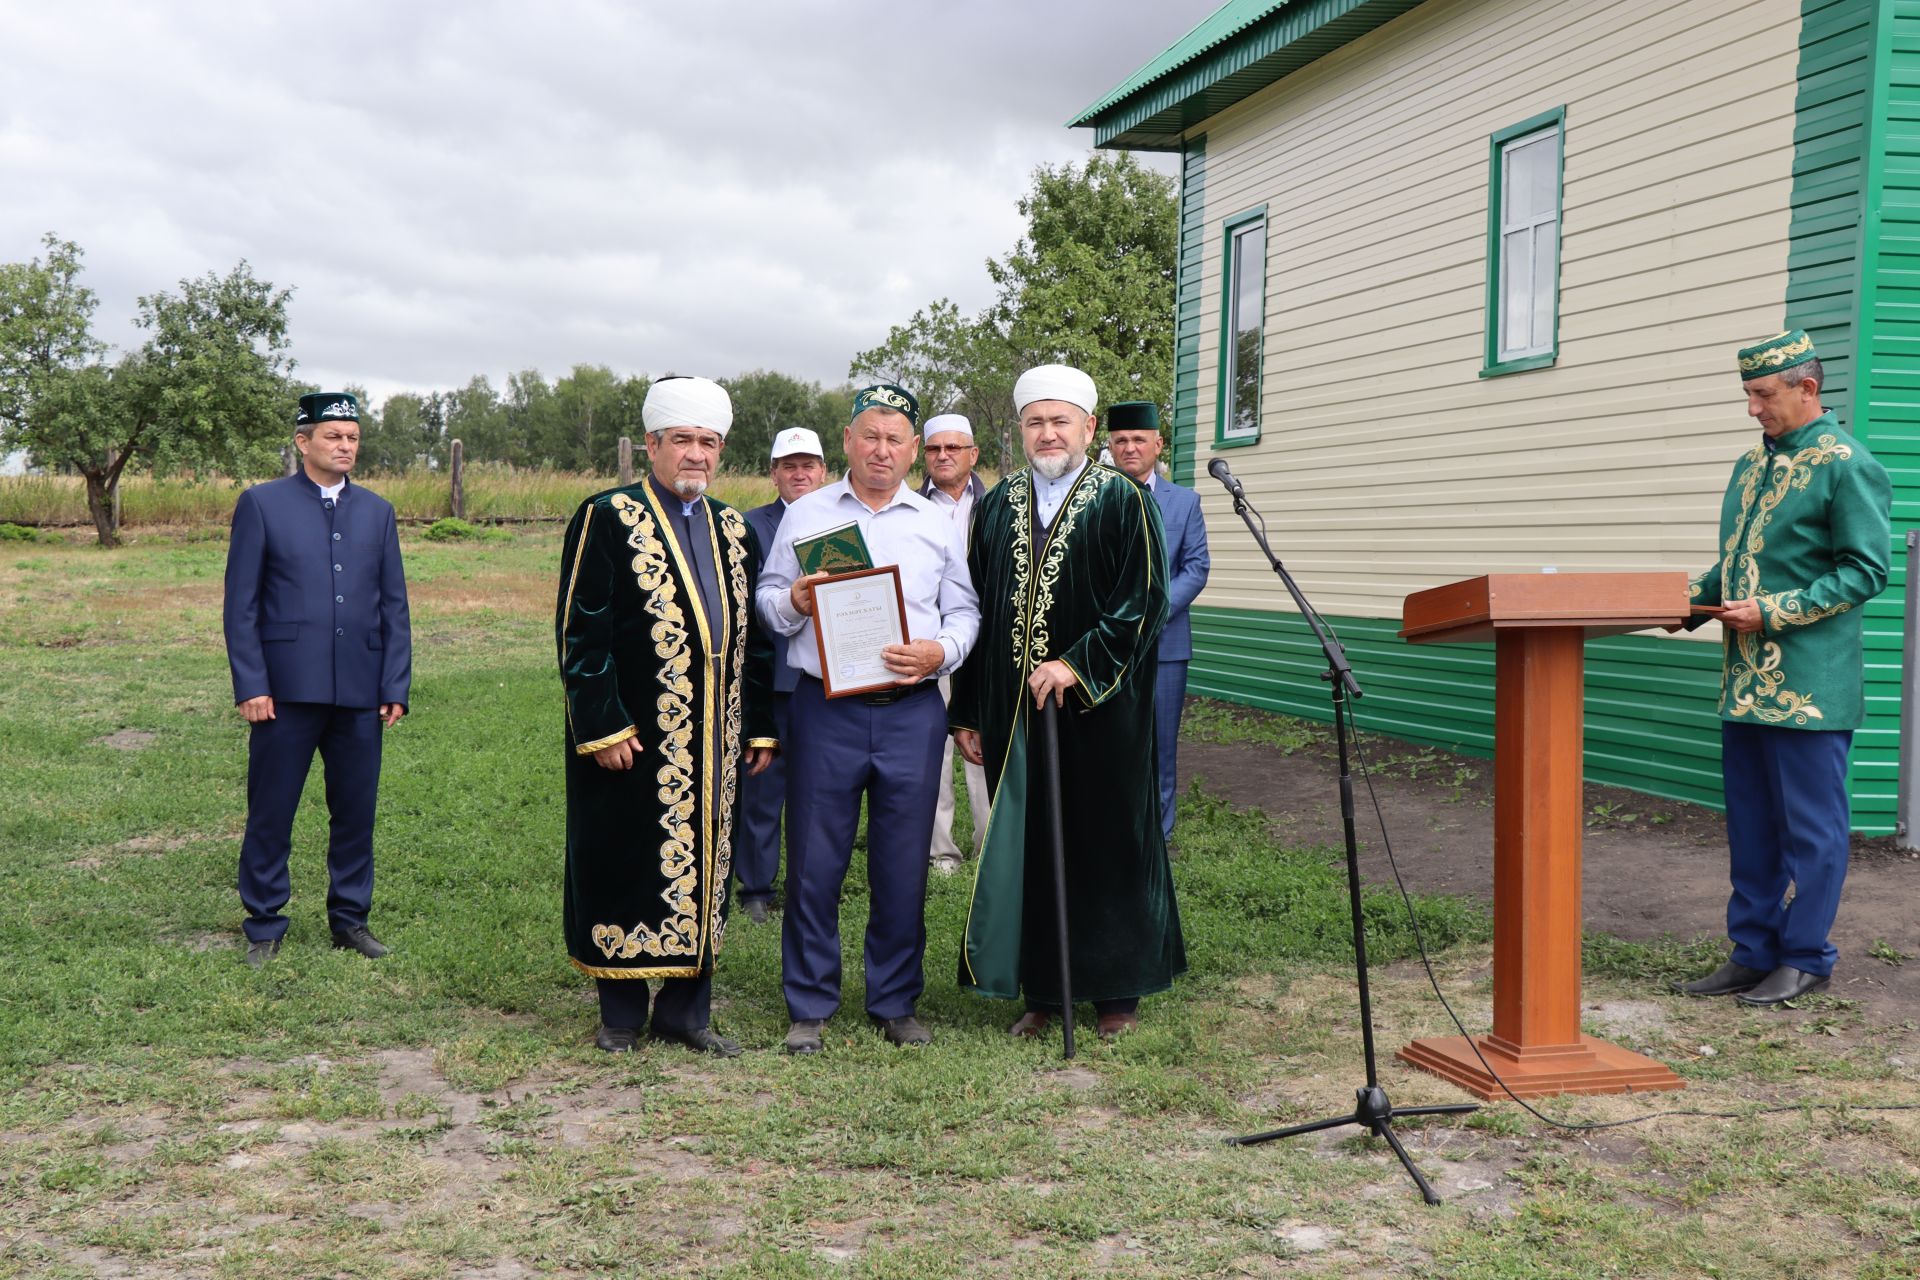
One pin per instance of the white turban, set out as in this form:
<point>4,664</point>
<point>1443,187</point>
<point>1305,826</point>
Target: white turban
<point>687,402</point>
<point>947,422</point>
<point>1054,382</point>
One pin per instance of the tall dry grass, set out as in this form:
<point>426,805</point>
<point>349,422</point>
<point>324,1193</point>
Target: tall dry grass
<point>493,493</point>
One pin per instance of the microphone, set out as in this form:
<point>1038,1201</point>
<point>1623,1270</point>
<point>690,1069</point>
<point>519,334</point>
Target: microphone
<point>1218,470</point>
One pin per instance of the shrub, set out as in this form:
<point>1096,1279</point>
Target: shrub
<point>448,528</point>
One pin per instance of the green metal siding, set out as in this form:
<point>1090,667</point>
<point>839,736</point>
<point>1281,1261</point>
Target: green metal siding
<point>1650,721</point>
<point>1885,407</point>
<point>1188,309</point>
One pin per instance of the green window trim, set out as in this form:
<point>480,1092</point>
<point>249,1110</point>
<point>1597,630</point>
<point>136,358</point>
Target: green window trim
<point>1493,365</point>
<point>1230,229</point>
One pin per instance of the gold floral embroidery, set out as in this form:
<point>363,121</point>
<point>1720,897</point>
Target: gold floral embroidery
<point>679,934</point>
<point>1090,483</point>
<point>1777,356</point>
<point>1020,505</point>
<point>734,527</point>
<point>1753,685</point>
<point>1788,472</point>
<point>1787,609</point>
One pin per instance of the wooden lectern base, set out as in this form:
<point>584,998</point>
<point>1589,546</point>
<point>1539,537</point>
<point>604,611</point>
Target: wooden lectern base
<point>1591,1066</point>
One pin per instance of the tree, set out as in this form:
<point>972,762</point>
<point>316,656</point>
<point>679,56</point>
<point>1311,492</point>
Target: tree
<point>208,387</point>
<point>1092,282</point>
<point>766,403</point>
<point>954,365</point>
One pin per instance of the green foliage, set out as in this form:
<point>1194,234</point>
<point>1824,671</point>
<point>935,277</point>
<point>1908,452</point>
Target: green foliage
<point>766,403</point>
<point>206,389</point>
<point>447,528</point>
<point>18,533</point>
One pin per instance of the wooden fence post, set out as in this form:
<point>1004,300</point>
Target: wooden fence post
<point>457,464</point>
<point>626,461</point>
<point>288,458</point>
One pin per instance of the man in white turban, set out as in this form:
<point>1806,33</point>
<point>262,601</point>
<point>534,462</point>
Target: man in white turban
<point>668,682</point>
<point>1070,564</point>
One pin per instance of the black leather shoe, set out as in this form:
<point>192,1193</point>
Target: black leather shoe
<point>903,1030</point>
<point>258,953</point>
<point>756,909</point>
<point>700,1040</point>
<point>1783,984</point>
<point>1724,981</point>
<point>616,1039</point>
<point>805,1036</point>
<point>361,939</point>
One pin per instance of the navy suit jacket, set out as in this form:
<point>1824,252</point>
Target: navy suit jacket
<point>1187,564</point>
<point>316,602</point>
<point>765,521</point>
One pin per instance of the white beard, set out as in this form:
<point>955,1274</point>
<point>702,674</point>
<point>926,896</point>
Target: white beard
<point>689,488</point>
<point>1052,468</point>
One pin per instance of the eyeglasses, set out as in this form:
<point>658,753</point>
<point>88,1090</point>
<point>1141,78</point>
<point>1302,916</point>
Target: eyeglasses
<point>950,448</point>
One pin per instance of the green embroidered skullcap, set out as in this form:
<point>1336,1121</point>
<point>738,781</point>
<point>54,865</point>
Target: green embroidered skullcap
<point>1782,351</point>
<point>327,406</point>
<point>1133,415</point>
<point>886,395</point>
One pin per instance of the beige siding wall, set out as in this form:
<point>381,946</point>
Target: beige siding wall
<point>1386,463</point>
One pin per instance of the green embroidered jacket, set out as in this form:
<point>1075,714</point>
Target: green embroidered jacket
<point>1804,531</point>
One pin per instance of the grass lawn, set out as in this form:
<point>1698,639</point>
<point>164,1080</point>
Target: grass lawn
<point>165,1111</point>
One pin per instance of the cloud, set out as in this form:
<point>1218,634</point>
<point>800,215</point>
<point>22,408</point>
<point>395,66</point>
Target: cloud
<point>470,188</point>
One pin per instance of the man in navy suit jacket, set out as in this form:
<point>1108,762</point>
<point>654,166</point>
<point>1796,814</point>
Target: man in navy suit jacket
<point>798,466</point>
<point>1133,434</point>
<point>322,656</point>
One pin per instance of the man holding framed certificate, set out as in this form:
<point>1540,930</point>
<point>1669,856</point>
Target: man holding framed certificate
<point>871,583</point>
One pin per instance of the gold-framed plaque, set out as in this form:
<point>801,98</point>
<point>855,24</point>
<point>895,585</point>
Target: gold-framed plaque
<point>855,616</point>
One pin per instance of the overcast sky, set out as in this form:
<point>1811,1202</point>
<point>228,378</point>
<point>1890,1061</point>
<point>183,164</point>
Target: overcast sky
<point>477,188</point>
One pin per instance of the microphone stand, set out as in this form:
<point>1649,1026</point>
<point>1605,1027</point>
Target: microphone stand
<point>1372,1110</point>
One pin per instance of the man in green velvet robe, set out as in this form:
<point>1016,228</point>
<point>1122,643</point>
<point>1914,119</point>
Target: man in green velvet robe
<point>669,684</point>
<point>1804,544</point>
<point>1069,560</point>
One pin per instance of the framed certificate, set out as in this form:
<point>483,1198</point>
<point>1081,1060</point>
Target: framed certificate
<point>855,616</point>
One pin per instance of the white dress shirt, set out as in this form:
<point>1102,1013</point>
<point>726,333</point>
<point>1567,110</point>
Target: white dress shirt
<point>908,531</point>
<point>1049,494</point>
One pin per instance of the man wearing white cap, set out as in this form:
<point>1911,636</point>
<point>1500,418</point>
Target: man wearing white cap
<point>1070,562</point>
<point>953,488</point>
<point>668,688</point>
<point>799,465</point>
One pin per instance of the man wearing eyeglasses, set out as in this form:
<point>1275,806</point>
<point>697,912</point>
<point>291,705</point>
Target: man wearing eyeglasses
<point>952,488</point>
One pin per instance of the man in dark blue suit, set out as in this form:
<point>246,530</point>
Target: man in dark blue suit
<point>798,466</point>
<point>1133,434</point>
<point>322,655</point>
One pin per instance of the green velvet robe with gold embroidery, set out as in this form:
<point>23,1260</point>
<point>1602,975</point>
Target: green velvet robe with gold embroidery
<point>649,849</point>
<point>1804,531</point>
<point>1091,591</point>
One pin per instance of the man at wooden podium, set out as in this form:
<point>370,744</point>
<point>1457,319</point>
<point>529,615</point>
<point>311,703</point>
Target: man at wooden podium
<point>1803,546</point>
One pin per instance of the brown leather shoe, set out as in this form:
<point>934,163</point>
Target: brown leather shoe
<point>1030,1025</point>
<point>1113,1024</point>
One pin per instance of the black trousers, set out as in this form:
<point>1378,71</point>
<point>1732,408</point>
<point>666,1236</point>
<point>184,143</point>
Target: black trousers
<point>684,1004</point>
<point>279,753</point>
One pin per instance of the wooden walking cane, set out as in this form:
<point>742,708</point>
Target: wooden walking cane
<point>1056,827</point>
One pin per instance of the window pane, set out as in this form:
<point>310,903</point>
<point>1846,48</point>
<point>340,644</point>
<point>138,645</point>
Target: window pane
<point>1516,291</point>
<point>1544,184</point>
<point>1245,329</point>
<point>1546,246</point>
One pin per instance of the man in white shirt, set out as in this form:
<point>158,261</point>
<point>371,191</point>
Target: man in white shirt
<point>883,746</point>
<point>952,487</point>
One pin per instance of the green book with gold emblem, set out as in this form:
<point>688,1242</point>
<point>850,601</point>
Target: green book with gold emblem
<point>837,550</point>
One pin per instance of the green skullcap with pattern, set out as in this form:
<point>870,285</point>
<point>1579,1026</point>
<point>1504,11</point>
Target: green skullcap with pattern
<point>1782,351</point>
<point>886,395</point>
<point>327,406</point>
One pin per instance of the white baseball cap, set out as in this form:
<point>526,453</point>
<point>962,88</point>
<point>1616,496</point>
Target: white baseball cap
<point>797,440</point>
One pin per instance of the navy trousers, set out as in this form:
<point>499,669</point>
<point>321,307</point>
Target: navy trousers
<point>279,753</point>
<point>684,1004</point>
<point>1169,700</point>
<point>845,749</point>
<point>756,853</point>
<point>1787,821</point>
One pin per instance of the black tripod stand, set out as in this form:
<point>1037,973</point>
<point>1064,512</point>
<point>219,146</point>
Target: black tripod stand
<point>1372,1110</point>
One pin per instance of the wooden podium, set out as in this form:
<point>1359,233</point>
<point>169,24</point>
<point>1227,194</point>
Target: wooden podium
<point>1538,624</point>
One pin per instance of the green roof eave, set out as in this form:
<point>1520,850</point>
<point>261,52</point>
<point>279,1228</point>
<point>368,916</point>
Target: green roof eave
<point>1244,47</point>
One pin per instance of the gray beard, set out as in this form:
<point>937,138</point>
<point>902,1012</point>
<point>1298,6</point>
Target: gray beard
<point>689,488</point>
<point>1052,468</point>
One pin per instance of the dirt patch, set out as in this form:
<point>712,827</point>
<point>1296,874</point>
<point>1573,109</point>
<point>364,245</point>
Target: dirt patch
<point>1642,880</point>
<point>127,739</point>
